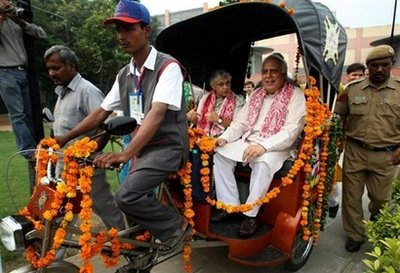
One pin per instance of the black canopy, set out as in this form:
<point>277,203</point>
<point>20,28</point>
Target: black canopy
<point>222,38</point>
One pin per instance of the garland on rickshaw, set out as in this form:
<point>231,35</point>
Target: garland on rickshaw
<point>319,124</point>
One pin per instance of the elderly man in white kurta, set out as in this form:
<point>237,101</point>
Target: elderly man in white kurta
<point>262,135</point>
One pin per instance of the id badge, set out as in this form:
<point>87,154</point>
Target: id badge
<point>136,106</point>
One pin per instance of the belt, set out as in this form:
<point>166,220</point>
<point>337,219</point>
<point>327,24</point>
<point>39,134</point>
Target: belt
<point>369,147</point>
<point>19,67</point>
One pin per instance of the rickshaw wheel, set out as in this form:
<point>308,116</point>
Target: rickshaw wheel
<point>300,252</point>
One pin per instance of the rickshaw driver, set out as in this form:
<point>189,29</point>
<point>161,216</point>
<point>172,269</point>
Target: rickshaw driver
<point>154,82</point>
<point>262,135</point>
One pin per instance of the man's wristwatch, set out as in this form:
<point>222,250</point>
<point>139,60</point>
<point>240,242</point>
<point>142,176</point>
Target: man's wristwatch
<point>219,121</point>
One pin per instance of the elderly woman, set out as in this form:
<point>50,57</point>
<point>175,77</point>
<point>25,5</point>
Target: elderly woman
<point>217,108</point>
<point>262,135</point>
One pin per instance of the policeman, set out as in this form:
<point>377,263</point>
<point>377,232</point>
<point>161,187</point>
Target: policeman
<point>370,109</point>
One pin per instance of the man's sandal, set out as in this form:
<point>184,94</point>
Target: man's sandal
<point>176,238</point>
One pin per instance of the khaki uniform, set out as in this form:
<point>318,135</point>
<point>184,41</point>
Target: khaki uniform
<point>372,129</point>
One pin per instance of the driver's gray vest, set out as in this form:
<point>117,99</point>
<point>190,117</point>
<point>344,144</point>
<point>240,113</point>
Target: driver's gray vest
<point>168,148</point>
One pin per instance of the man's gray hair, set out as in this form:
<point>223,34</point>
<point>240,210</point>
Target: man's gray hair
<point>67,56</point>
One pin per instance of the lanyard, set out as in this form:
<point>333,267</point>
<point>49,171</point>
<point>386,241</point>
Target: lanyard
<point>136,97</point>
<point>137,80</point>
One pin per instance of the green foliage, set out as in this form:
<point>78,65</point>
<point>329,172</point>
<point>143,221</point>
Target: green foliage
<point>15,189</point>
<point>227,2</point>
<point>14,176</point>
<point>78,24</point>
<point>384,234</point>
<point>335,137</point>
<point>396,192</point>
<point>387,225</point>
<point>385,259</point>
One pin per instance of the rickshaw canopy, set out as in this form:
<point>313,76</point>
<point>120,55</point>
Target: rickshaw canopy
<point>222,39</point>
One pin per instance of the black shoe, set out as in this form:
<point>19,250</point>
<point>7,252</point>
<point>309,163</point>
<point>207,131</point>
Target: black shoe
<point>248,226</point>
<point>332,211</point>
<point>220,216</point>
<point>374,217</point>
<point>176,238</point>
<point>353,246</point>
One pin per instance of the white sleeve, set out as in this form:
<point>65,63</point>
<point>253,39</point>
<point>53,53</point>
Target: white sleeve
<point>169,89</point>
<point>238,126</point>
<point>112,101</point>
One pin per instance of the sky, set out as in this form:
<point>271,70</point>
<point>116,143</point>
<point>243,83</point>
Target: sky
<point>350,13</point>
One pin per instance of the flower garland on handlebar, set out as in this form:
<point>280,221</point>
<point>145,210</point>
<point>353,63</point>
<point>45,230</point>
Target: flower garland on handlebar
<point>73,177</point>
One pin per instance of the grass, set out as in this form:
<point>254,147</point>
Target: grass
<point>15,193</point>
<point>15,189</point>
<point>14,176</point>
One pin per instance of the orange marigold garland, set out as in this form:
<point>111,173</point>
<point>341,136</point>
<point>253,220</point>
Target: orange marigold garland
<point>73,176</point>
<point>206,145</point>
<point>188,213</point>
<point>187,256</point>
<point>82,149</point>
<point>66,189</point>
<point>45,154</point>
<point>317,113</point>
<point>316,126</point>
<point>321,186</point>
<point>335,147</point>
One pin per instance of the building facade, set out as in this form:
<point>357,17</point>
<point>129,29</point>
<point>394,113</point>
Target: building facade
<point>358,43</point>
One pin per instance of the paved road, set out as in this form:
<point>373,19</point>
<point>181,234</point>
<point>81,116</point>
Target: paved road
<point>329,256</point>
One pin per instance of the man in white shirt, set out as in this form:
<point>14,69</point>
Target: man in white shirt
<point>149,88</point>
<point>77,97</point>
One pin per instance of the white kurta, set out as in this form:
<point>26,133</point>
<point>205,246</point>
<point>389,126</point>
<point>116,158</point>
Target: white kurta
<point>278,146</point>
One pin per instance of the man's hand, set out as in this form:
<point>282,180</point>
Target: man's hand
<point>192,116</point>
<point>61,140</point>
<point>106,160</point>
<point>212,116</point>
<point>253,151</point>
<point>221,142</point>
<point>396,157</point>
<point>17,20</point>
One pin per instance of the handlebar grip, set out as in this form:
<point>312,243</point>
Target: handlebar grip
<point>90,160</point>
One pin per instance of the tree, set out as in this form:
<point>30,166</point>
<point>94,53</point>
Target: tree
<point>78,24</point>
